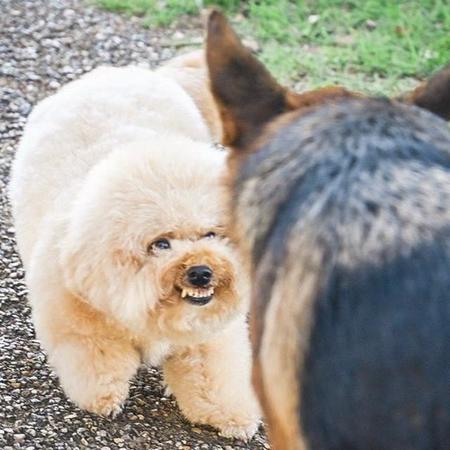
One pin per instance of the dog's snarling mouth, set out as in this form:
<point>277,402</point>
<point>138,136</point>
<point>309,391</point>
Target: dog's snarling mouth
<point>197,296</point>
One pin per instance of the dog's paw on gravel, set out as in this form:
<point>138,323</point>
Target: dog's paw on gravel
<point>242,432</point>
<point>109,403</point>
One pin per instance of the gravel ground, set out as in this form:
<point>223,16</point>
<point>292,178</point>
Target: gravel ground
<point>44,44</point>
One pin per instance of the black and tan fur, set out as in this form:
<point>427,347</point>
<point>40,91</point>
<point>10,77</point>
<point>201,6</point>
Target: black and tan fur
<point>342,206</point>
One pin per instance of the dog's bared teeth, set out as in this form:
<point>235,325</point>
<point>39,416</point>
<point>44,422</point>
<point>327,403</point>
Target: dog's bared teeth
<point>197,293</point>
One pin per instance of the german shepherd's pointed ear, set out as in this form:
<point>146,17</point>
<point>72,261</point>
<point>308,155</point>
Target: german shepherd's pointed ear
<point>247,95</point>
<point>433,95</point>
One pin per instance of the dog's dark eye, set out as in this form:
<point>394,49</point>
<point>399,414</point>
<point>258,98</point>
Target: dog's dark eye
<point>160,244</point>
<point>210,235</point>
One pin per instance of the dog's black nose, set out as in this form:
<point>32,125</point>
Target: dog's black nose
<point>199,276</point>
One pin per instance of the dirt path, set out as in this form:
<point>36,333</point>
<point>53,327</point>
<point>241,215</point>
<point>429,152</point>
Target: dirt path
<point>44,44</point>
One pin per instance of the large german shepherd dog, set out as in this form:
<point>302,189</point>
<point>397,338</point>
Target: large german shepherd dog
<point>342,206</point>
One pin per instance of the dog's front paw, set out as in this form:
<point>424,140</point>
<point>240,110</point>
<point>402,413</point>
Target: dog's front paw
<point>108,404</point>
<point>244,431</point>
<point>230,422</point>
<point>94,377</point>
<point>239,419</point>
<point>238,423</point>
<point>102,399</point>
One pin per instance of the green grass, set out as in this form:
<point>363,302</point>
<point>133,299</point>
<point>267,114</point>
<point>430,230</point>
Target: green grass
<point>156,13</point>
<point>410,39</point>
<point>376,46</point>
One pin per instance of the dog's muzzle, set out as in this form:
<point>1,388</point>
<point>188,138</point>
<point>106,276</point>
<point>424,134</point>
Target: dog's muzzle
<point>200,291</point>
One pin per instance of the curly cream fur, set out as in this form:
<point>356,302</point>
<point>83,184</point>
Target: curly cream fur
<point>191,71</point>
<point>107,165</point>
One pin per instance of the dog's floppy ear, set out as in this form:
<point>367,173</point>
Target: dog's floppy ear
<point>433,95</point>
<point>246,94</point>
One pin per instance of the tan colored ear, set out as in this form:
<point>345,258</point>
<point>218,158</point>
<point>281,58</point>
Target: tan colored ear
<point>433,95</point>
<point>247,95</point>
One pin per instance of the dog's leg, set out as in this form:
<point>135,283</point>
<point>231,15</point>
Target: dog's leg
<point>211,382</point>
<point>93,359</point>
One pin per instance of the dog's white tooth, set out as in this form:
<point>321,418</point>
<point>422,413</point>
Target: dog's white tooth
<point>183,293</point>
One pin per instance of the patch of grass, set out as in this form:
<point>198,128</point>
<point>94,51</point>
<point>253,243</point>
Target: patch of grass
<point>137,7</point>
<point>373,45</point>
<point>155,14</point>
<point>162,13</point>
<point>354,41</point>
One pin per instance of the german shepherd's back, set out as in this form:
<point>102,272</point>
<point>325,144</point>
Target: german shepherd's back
<point>352,260</point>
<point>345,212</point>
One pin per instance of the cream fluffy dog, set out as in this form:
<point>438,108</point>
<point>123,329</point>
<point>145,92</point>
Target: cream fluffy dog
<point>117,197</point>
